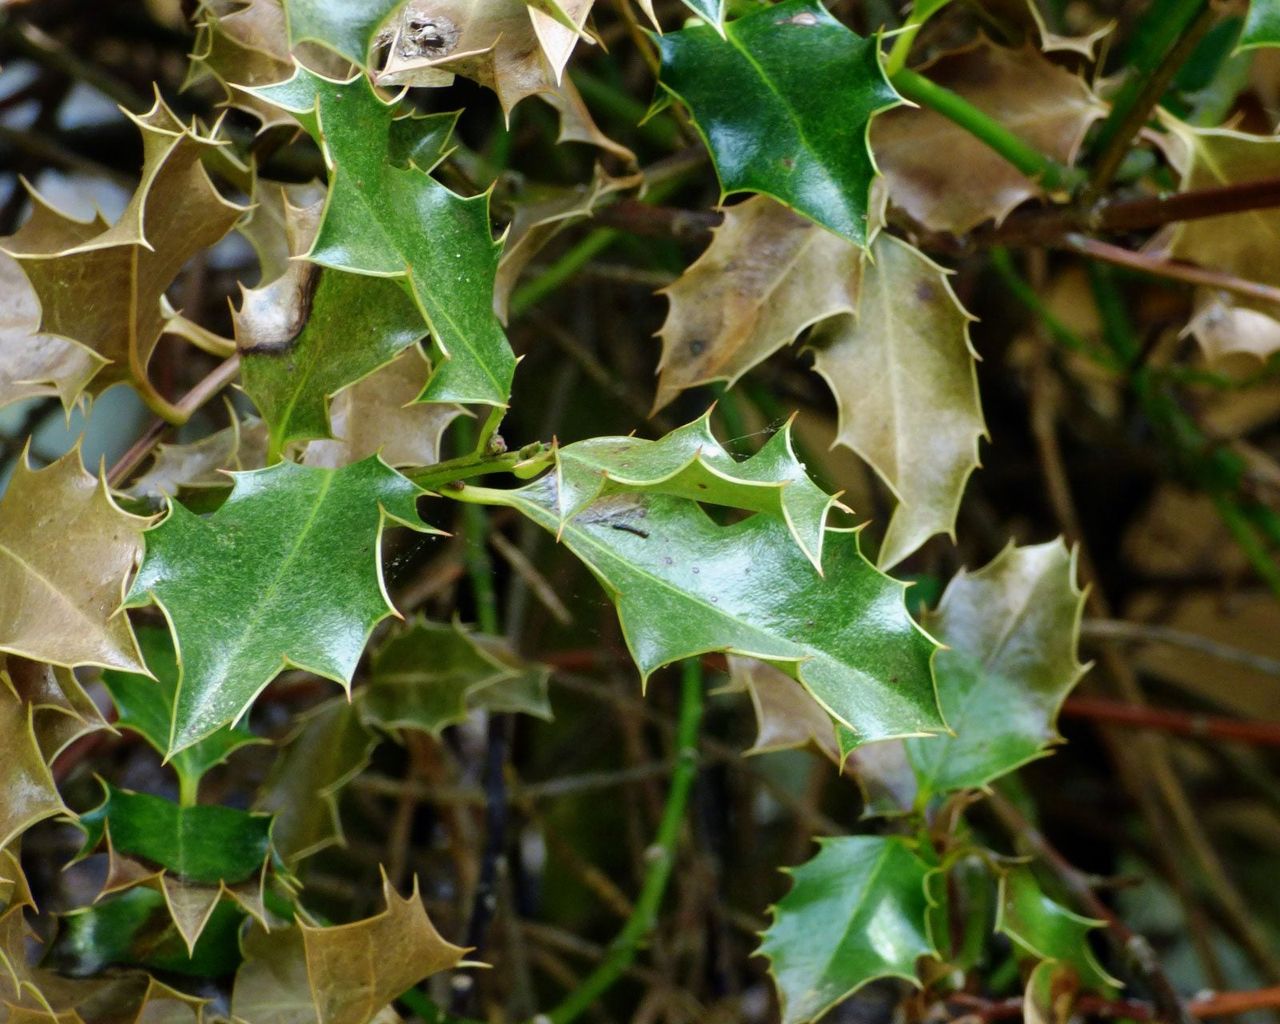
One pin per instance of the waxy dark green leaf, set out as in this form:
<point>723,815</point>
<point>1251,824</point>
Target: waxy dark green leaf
<point>690,463</point>
<point>1048,930</point>
<point>145,706</point>
<point>206,844</point>
<point>286,572</point>
<point>387,220</point>
<point>1011,630</point>
<point>356,324</point>
<point>134,929</point>
<point>771,128</point>
<point>685,586</point>
<point>1261,24</point>
<point>855,913</point>
<point>347,27</point>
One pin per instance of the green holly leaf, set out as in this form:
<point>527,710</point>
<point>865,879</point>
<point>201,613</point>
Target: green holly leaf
<point>1047,930</point>
<point>134,929</point>
<point>330,747</point>
<point>146,707</point>
<point>387,220</point>
<point>768,129</point>
<point>710,11</point>
<point>1011,631</point>
<point>1261,24</point>
<point>685,585</point>
<point>206,844</point>
<point>286,572</point>
<point>431,675</point>
<point>347,27</point>
<point>356,325</point>
<point>856,912</point>
<point>690,463</point>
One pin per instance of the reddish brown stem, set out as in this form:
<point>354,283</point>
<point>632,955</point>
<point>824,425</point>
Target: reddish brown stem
<point>1180,723</point>
<point>1175,271</point>
<point>217,379</point>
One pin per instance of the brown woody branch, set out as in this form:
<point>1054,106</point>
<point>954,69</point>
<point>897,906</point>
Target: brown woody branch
<point>1219,1004</point>
<point>1032,227</point>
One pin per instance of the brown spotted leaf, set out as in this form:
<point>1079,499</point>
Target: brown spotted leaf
<point>904,376</point>
<point>767,275</point>
<point>66,552</point>
<point>103,288</point>
<point>944,177</point>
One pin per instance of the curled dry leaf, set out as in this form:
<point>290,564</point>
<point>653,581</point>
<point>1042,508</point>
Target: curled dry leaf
<point>905,381</point>
<point>786,715</point>
<point>103,288</point>
<point>948,180</point>
<point>1243,244</point>
<point>204,463</point>
<point>767,275</point>
<point>512,48</point>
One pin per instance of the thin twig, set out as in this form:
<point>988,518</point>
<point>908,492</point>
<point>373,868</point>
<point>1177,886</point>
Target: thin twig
<point>661,858</point>
<point>192,401</point>
<point>1181,723</point>
<point>1175,271</point>
<point>1148,633</point>
<point>1129,946</point>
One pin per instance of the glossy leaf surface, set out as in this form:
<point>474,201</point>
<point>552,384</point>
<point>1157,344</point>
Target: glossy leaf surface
<point>242,592</point>
<point>146,707</point>
<point>769,130</point>
<point>690,463</point>
<point>685,585</point>
<point>1047,930</point>
<point>203,844</point>
<point>1011,631</point>
<point>855,912</point>
<point>387,220</point>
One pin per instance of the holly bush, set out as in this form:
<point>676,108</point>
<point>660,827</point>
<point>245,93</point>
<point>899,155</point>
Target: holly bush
<point>380,644</point>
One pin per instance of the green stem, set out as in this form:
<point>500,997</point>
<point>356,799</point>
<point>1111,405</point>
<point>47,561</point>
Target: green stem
<point>574,259</point>
<point>472,465</point>
<point>1025,157</point>
<point>188,790</point>
<point>661,857</point>
<point>1165,49</point>
<point>475,544</point>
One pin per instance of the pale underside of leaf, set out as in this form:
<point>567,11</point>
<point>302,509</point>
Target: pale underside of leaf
<point>904,376</point>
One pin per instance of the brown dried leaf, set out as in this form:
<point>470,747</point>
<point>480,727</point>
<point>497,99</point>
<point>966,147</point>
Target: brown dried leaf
<point>786,715</point>
<point>506,45</point>
<point>203,463</point>
<point>104,288</point>
<point>767,275</point>
<point>381,414</point>
<point>32,364</point>
<point>27,790</point>
<point>943,176</point>
<point>904,376</point>
<point>66,552</point>
<point>357,969</point>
